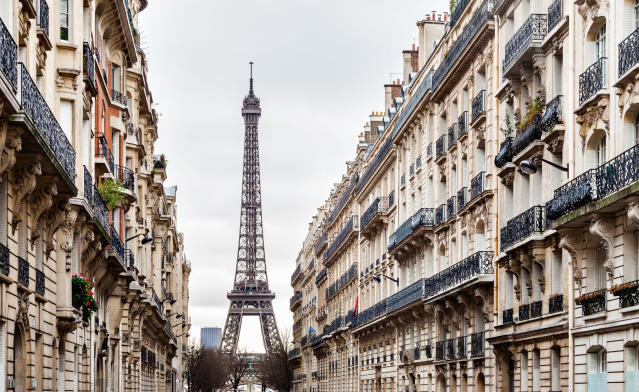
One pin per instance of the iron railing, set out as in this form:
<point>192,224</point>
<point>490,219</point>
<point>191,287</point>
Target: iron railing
<point>507,316</point>
<point>529,222</point>
<point>344,198</point>
<point>556,304</point>
<point>88,186</point>
<point>618,173</point>
<point>505,153</point>
<point>321,242</point>
<point>440,214</point>
<point>370,314</point>
<point>339,284</point>
<point>526,137</point>
<point>40,282</point>
<point>628,295</point>
<point>534,28</point>
<point>452,135</point>
<point>461,347</point>
<point>568,197</point>
<point>294,353</point>
<point>462,125</point>
<point>406,296</point>
<point>409,107</point>
<point>482,15</point>
<point>100,210</point>
<point>450,349</point>
<point>125,176</point>
<point>478,105</point>
<point>43,17</point>
<point>429,150</point>
<point>418,162</point>
<point>439,350</point>
<point>592,303</point>
<point>553,114</point>
<point>8,56</point>
<point>460,5</point>
<point>351,226</point>
<point>535,309</point>
<point>295,299</point>
<point>119,97</point>
<point>592,80</point>
<point>320,276</point>
<point>4,260</point>
<point>479,263</point>
<point>104,152</point>
<point>477,185</point>
<point>379,206</point>
<point>477,344</point>
<point>440,146</point>
<point>23,272</point>
<point>462,198</point>
<point>555,13</point>
<point>48,127</point>
<point>450,208</point>
<point>116,244</point>
<point>422,218</point>
<point>374,164</point>
<point>296,273</point>
<point>524,312</point>
<point>130,258</point>
<point>628,52</point>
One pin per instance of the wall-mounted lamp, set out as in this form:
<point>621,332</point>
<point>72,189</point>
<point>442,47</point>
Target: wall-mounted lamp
<point>147,239</point>
<point>528,166</point>
<point>378,278</point>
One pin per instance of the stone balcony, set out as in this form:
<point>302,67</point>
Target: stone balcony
<point>521,46</point>
<point>342,239</point>
<point>376,213</point>
<point>421,220</point>
<point>523,226</point>
<point>475,268</point>
<point>593,80</point>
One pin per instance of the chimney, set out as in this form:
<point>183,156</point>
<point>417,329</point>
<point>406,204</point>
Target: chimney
<point>392,91</point>
<point>430,30</point>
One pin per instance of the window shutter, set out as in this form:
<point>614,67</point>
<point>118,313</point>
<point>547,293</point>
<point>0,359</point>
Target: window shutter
<point>66,118</point>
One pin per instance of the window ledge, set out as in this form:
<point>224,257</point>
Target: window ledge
<point>596,316</point>
<point>66,45</point>
<point>629,309</point>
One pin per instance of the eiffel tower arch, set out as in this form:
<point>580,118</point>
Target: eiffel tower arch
<point>250,295</point>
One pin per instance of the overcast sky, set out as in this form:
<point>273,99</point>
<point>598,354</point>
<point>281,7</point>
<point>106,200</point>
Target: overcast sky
<point>320,67</point>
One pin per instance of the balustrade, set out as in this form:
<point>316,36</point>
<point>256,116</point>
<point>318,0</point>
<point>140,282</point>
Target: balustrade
<point>524,312</point>
<point>556,304</point>
<point>374,164</point>
<point>478,105</point>
<point>351,226</point>
<point>555,14</point>
<point>480,263</point>
<point>43,17</point>
<point>125,177</point>
<point>535,309</point>
<point>88,186</point>
<point>440,146</point>
<point>477,185</point>
<point>422,218</point>
<point>321,242</point>
<point>534,29</point>
<point>40,282</point>
<point>553,114</point>
<point>462,125</point>
<point>452,136</point>
<point>406,296</point>
<point>119,97</point>
<point>522,226</point>
<point>507,316</point>
<point>462,199</point>
<point>450,208</point>
<point>628,293</point>
<point>440,214</point>
<point>450,349</point>
<point>461,347</point>
<point>628,52</point>
<point>116,244</point>
<point>477,344</point>
<point>591,303</point>
<point>100,210</point>
<point>429,150</point>
<point>592,80</point>
<point>505,153</point>
<point>4,260</point>
<point>8,56</point>
<point>23,272</point>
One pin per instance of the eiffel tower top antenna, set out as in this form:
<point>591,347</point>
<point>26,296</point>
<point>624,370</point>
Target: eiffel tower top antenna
<point>251,89</point>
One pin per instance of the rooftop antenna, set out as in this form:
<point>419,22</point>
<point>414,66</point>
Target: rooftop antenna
<point>251,89</point>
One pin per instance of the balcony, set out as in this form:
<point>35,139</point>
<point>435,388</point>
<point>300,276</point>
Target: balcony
<point>461,347</point>
<point>377,209</point>
<point>408,109</point>
<point>450,349</point>
<point>344,280</point>
<point>429,150</point>
<point>351,226</point>
<point>40,283</point>
<point>321,243</point>
<point>117,246</point>
<point>129,258</point>
<point>439,350</point>
<point>4,260</point>
<point>374,164</point>
<point>477,343</point>
<point>422,218</point>
<point>104,156</point>
<point>418,163</point>
<point>87,184</point>
<point>320,277</point>
<point>507,316</point>
<point>480,263</point>
<point>428,349</point>
<point>578,192</point>
<point>524,312</point>
<point>294,353</point>
<point>556,304</point>
<point>23,272</point>
<point>628,53</point>
<point>440,146</point>
<point>101,212</point>
<point>125,177</point>
<point>478,106</point>
<point>295,300</point>
<point>450,208</point>
<point>477,185</point>
<point>370,314</point>
<point>592,303</point>
<point>592,80</point>
<point>452,136</point>
<point>440,214</point>
<point>462,198</point>
<point>529,36</point>
<point>535,309</point>
<point>524,225</point>
<point>404,297</point>
<point>119,97</point>
<point>555,14</point>
<point>528,136</point>
<point>462,125</point>
<point>628,293</point>
<point>8,56</point>
<point>296,274</point>
<point>459,7</point>
<point>344,198</point>
<point>42,22</point>
<point>505,153</point>
<point>553,114</point>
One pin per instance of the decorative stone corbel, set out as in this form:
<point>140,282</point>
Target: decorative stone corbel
<point>633,212</point>
<point>485,295</point>
<point>23,310</point>
<point>573,243</point>
<point>11,143</point>
<point>52,221</point>
<point>604,229</point>
<point>539,258</point>
<point>25,180</point>
<point>67,227</point>
<point>40,201</point>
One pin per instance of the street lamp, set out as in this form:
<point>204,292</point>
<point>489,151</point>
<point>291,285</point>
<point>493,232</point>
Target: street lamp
<point>378,278</point>
<point>144,241</point>
<point>528,166</point>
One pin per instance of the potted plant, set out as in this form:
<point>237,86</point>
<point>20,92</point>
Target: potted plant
<point>111,192</point>
<point>82,296</point>
<point>587,297</point>
<point>623,288</point>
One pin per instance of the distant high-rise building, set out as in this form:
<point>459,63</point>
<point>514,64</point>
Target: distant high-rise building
<point>210,337</point>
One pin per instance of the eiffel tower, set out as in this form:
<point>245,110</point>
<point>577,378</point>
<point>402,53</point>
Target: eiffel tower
<point>251,295</point>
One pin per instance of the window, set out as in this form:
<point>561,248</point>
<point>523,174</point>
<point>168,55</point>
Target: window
<point>636,128</point>
<point>524,371</point>
<point>115,72</point>
<point>632,368</point>
<point>600,43</point>
<point>66,118</point>
<point>636,13</point>
<point>65,19</point>
<point>601,271</point>
<point>601,152</point>
<point>597,368</point>
<point>555,375</point>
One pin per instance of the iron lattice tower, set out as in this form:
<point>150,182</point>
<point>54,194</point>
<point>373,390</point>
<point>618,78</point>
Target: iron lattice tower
<point>251,294</point>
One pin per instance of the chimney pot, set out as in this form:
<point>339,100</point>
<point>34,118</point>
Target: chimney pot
<point>433,15</point>
<point>413,46</point>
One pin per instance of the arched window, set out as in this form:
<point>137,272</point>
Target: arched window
<point>600,42</point>
<point>596,149</point>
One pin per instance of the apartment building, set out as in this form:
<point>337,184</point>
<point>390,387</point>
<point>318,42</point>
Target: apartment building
<point>84,211</point>
<point>496,197</point>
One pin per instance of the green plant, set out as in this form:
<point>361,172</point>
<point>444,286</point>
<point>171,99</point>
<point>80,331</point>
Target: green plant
<point>82,296</point>
<point>453,5</point>
<point>534,109</point>
<point>508,130</point>
<point>111,192</point>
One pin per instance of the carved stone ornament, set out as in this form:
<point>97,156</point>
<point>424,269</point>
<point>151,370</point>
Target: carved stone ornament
<point>508,178</point>
<point>604,229</point>
<point>485,295</point>
<point>25,180</point>
<point>40,201</point>
<point>633,212</point>
<point>23,310</point>
<point>595,117</point>
<point>52,221</point>
<point>628,95</point>
<point>11,143</point>
<point>591,9</point>
<point>573,243</point>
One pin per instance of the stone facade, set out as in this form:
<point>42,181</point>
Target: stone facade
<point>495,197</point>
<point>75,116</point>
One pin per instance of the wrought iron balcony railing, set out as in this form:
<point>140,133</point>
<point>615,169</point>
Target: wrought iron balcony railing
<point>422,218</point>
<point>40,282</point>
<point>294,353</point>
<point>4,260</point>
<point>372,167</point>
<point>452,135</point>
<point>429,150</point>
<point>411,170</point>
<point>618,173</point>
<point>23,272</point>
<point>628,52</point>
<point>505,153</point>
<point>406,296</point>
<point>592,80</point>
<point>477,185</point>
<point>462,198</point>
<point>125,177</point>
<point>526,137</point>
<point>321,243</point>
<point>428,348</point>
<point>507,316</point>
<point>482,15</point>
<point>88,186</point>
<point>440,146</point>
<point>352,225</point>
<point>439,350</point>
<point>103,151</point>
<point>418,162</point>
<point>370,314</point>
<point>534,29</point>
<point>450,349</point>
<point>43,17</point>
<point>402,180</point>
<point>477,344</point>
<point>8,56</point>
<point>116,244</point>
<point>478,105</point>
<point>628,294</point>
<point>409,107</point>
<point>343,199</point>
<point>462,125</point>
<point>591,303</point>
<point>130,258</point>
<point>296,299</point>
<point>342,281</point>
<point>479,263</point>
<point>450,208</point>
<point>379,206</point>
<point>440,214</point>
<point>296,273</point>
<point>535,309</point>
<point>461,347</point>
<point>119,97</point>
<point>555,14</point>
<point>48,127</point>
<point>568,197</point>
<point>553,114</point>
<point>100,210</point>
<point>320,276</point>
<point>530,222</point>
<point>458,10</point>
<point>556,304</point>
<point>524,312</point>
